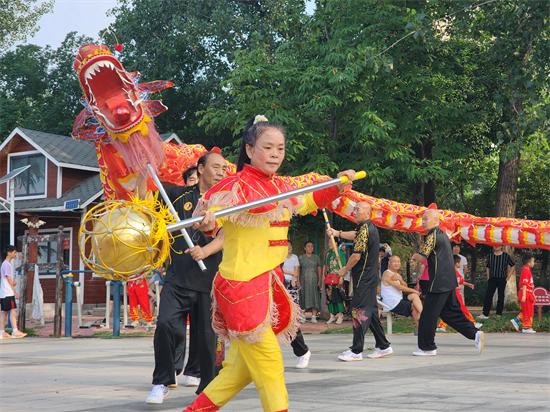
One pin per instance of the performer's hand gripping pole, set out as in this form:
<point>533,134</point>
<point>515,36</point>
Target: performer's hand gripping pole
<point>332,239</point>
<point>262,202</point>
<point>173,211</point>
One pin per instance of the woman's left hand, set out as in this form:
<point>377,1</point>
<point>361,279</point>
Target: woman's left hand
<point>350,175</point>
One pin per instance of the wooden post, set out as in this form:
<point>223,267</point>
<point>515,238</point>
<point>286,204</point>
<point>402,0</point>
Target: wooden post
<point>58,319</point>
<point>22,306</point>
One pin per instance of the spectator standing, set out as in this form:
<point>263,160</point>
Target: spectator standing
<point>526,296</point>
<point>311,281</point>
<point>500,267</point>
<point>291,271</point>
<point>8,295</point>
<point>334,299</point>
<point>191,177</point>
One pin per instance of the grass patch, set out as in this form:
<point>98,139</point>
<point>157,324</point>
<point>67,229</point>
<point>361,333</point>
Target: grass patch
<point>29,331</point>
<point>399,325</point>
<point>493,324</point>
<point>109,335</point>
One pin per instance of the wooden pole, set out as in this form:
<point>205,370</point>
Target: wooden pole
<point>58,319</point>
<point>22,306</point>
<point>334,245</point>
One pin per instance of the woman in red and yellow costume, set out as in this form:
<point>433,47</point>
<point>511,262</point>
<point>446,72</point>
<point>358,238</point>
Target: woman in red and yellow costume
<point>251,305</point>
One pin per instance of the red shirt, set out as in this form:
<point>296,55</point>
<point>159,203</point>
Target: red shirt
<point>526,278</point>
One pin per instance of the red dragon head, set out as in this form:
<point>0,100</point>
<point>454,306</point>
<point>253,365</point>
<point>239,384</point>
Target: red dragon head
<point>116,104</point>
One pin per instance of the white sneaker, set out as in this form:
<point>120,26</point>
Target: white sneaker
<point>303,361</point>
<point>303,319</point>
<point>175,384</point>
<point>332,319</point>
<point>157,395</point>
<point>515,324</point>
<point>479,341</point>
<point>313,319</point>
<point>530,330</point>
<point>192,381</point>
<point>379,353</point>
<point>421,352</point>
<point>441,330</point>
<point>482,316</point>
<point>349,356</point>
<point>135,324</point>
<point>478,325</point>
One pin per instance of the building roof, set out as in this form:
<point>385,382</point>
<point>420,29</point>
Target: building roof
<point>65,150</point>
<point>87,191</point>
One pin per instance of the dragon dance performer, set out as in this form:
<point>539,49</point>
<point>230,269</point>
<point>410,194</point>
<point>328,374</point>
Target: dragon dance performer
<point>251,305</point>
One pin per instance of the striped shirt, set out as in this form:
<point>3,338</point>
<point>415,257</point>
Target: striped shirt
<point>498,265</point>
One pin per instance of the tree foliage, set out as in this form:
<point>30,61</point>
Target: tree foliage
<point>19,18</point>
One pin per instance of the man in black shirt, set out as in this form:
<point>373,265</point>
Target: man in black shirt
<point>187,289</point>
<point>441,299</point>
<point>364,274</point>
<point>500,267</point>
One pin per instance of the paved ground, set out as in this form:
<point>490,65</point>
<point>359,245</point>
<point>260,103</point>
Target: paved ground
<point>512,374</point>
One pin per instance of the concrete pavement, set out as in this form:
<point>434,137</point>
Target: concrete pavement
<point>512,374</point>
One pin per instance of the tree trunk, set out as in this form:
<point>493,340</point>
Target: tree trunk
<point>505,206</point>
<point>473,269</point>
<point>544,278</point>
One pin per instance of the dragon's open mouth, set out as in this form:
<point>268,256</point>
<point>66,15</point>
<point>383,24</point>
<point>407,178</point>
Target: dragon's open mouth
<point>111,94</point>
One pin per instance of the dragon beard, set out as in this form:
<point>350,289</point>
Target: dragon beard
<point>141,149</point>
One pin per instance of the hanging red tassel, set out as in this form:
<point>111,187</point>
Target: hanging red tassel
<point>118,47</point>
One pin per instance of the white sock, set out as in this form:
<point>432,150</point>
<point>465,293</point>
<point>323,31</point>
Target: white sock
<point>3,331</point>
<point>14,330</point>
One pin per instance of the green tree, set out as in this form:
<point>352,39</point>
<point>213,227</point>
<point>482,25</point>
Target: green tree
<point>18,19</point>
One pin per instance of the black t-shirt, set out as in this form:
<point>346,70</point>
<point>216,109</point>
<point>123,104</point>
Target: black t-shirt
<point>498,265</point>
<point>441,265</point>
<point>182,270</point>
<point>367,243</point>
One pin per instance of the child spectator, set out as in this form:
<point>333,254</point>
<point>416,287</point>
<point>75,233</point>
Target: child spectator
<point>138,292</point>
<point>526,296</point>
<point>8,296</point>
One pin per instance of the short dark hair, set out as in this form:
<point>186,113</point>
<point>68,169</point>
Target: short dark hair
<point>187,174</point>
<point>289,241</point>
<point>307,241</point>
<point>9,249</point>
<point>204,159</point>
<point>525,259</point>
<point>456,258</point>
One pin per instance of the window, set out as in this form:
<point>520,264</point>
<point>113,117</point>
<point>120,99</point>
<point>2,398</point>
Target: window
<point>33,180</point>
<point>47,253</point>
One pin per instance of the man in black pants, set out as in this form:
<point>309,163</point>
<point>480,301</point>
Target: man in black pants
<point>364,272</point>
<point>187,289</point>
<point>440,300</point>
<point>500,267</point>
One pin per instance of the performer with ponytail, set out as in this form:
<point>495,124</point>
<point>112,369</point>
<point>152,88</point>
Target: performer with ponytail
<point>251,305</point>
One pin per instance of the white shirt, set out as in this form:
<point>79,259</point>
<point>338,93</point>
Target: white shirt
<point>464,262</point>
<point>5,289</point>
<point>391,296</point>
<point>289,265</point>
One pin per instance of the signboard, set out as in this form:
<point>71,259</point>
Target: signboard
<point>66,243</point>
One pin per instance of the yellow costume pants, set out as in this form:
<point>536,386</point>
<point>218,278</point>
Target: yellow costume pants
<point>261,363</point>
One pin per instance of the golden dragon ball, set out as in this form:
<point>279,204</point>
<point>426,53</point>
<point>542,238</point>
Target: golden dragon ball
<point>122,240</point>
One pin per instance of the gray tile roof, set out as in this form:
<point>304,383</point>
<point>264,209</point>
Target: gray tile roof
<point>65,149</point>
<point>85,191</point>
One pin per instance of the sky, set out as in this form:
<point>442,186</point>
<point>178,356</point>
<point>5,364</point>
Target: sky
<point>86,17</point>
